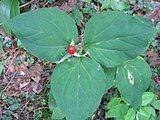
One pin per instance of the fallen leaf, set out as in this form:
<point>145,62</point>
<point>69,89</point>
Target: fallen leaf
<point>24,84</point>
<point>37,88</point>
<point>155,14</point>
<point>72,3</point>
<point>36,78</point>
<point>65,7</point>
<point>37,69</point>
<point>152,54</point>
<point>15,115</point>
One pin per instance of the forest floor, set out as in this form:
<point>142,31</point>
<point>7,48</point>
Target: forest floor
<point>25,79</point>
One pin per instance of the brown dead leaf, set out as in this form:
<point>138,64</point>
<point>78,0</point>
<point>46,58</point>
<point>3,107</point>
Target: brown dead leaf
<point>152,54</point>
<point>35,72</point>
<point>24,84</point>
<point>157,79</point>
<point>36,87</point>
<point>23,67</point>
<point>72,3</point>
<point>12,69</point>
<point>65,7</point>
<point>36,78</point>
<point>154,59</point>
<point>15,115</point>
<point>155,14</point>
<point>37,69</point>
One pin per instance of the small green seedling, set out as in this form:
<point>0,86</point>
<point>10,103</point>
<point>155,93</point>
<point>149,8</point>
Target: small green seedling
<point>121,110</point>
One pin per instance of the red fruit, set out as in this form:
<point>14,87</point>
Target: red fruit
<point>71,49</point>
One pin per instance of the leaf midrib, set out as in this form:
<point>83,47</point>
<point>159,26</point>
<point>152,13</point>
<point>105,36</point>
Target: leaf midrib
<point>117,38</point>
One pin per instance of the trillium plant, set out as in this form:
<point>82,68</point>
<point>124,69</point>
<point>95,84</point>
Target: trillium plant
<point>108,55</point>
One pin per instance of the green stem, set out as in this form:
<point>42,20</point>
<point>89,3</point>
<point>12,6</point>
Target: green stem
<point>63,59</point>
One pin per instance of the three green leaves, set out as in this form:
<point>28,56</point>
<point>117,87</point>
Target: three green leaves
<point>111,38</point>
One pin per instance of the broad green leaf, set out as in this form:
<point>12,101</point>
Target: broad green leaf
<point>51,102</point>
<point>131,114</point>
<point>57,114</point>
<point>147,111</point>
<point>1,53</point>
<point>1,45</point>
<point>120,118</point>
<point>152,111</point>
<point>139,116</point>
<point>112,38</point>
<point>153,118</point>
<point>7,117</point>
<point>8,10</point>
<point>158,70</point>
<point>118,111</point>
<point>132,79</point>
<point>114,101</point>
<point>77,16</point>
<point>147,98</point>
<point>119,5</point>
<point>45,32</point>
<point>1,68</point>
<point>78,86</point>
<point>132,1</point>
<point>156,104</point>
<point>88,1</point>
<point>105,4</point>
<point>51,1</point>
<point>113,5</point>
<point>110,76</point>
<point>0,15</point>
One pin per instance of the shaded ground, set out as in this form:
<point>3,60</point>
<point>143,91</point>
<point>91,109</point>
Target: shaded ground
<point>24,82</point>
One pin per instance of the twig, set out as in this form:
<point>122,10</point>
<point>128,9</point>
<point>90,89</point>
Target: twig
<point>24,107</point>
<point>41,108</point>
<point>45,4</point>
<point>26,4</point>
<point>11,63</point>
<point>10,51</point>
<point>10,81</point>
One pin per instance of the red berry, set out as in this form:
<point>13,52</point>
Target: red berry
<point>71,49</point>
